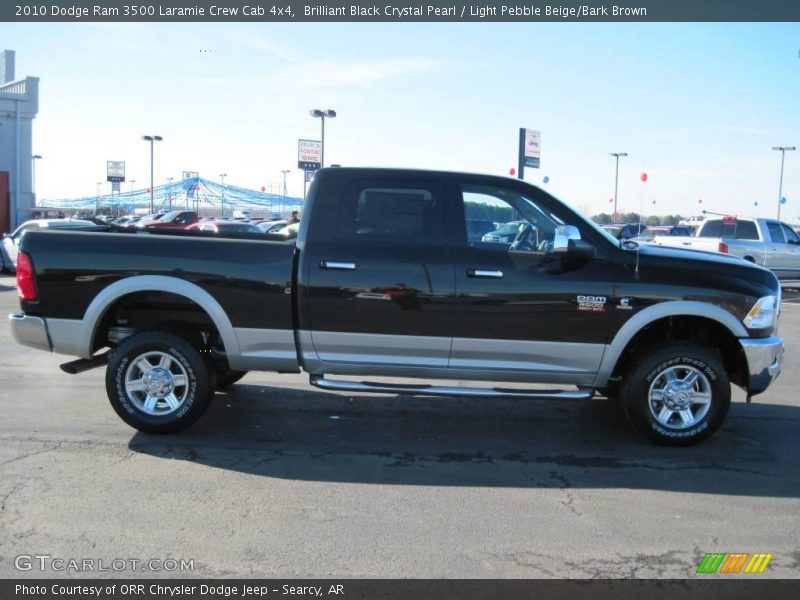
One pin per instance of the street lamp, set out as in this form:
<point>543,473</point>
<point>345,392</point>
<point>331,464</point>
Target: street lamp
<point>783,150</point>
<point>321,114</point>
<point>97,200</point>
<point>222,177</point>
<point>34,158</point>
<point>616,180</point>
<point>151,139</point>
<point>169,190</point>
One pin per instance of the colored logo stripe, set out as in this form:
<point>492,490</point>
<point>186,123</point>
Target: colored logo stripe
<point>758,563</point>
<point>723,562</point>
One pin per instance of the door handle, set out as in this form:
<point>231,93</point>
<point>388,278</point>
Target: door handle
<point>338,266</point>
<point>485,273</point>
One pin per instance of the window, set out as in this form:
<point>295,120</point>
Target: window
<point>517,219</point>
<point>775,232</point>
<point>389,213</point>
<point>732,228</point>
<point>790,234</point>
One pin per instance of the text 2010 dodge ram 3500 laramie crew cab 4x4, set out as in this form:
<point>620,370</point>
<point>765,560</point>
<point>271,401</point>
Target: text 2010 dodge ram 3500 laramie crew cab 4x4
<point>385,280</point>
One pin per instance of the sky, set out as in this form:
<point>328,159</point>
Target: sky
<point>696,106</point>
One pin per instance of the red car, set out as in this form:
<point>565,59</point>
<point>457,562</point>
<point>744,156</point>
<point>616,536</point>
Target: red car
<point>225,227</point>
<point>177,219</point>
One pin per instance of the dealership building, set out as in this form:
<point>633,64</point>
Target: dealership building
<point>19,103</point>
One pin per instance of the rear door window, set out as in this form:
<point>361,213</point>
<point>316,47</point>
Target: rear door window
<point>775,232</point>
<point>391,212</point>
<point>790,234</point>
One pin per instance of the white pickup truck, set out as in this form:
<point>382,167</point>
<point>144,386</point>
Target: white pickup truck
<point>766,242</point>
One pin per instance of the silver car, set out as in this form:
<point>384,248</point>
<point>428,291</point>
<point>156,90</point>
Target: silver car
<point>9,249</point>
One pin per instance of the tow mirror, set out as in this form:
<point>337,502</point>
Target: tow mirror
<point>568,242</point>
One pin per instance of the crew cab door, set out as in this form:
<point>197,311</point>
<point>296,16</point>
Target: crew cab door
<point>782,250</point>
<point>379,277</point>
<point>524,312</point>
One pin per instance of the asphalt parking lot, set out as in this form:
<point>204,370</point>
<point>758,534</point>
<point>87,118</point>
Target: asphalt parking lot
<point>282,480</point>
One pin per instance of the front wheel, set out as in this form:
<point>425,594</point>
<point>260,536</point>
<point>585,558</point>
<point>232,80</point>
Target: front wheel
<point>677,395</point>
<point>158,382</point>
<point>224,378</point>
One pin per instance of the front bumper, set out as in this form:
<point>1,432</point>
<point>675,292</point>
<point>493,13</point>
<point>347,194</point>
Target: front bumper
<point>764,357</point>
<point>30,331</point>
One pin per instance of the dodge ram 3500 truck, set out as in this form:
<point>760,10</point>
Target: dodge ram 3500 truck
<point>386,279</point>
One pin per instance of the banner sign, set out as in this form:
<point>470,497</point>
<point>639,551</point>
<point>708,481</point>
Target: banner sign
<point>309,155</point>
<point>115,170</point>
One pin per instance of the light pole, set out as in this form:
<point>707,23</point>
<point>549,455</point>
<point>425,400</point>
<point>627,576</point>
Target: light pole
<point>616,155</point>
<point>285,194</point>
<point>321,114</point>
<point>169,190</point>
<point>34,158</point>
<point>222,177</point>
<point>97,200</point>
<point>151,139</point>
<point>783,150</point>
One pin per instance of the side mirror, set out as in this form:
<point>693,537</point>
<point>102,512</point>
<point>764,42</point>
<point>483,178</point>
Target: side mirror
<point>565,234</point>
<point>580,249</point>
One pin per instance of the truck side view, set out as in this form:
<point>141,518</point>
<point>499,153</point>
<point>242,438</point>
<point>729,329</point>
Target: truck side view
<point>766,242</point>
<point>386,278</point>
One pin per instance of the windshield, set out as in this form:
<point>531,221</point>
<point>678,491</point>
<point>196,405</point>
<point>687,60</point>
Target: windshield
<point>508,228</point>
<point>170,215</point>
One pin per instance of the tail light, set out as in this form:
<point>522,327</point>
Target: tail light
<point>723,247</point>
<point>25,283</point>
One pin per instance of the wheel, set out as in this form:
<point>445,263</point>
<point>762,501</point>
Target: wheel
<point>158,382</point>
<point>226,377</point>
<point>677,395</point>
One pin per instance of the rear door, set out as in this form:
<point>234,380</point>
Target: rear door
<point>380,282</point>
<point>779,253</point>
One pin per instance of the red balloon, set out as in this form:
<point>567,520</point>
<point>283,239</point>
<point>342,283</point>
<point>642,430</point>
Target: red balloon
<point>700,201</point>
<point>197,187</point>
<point>512,171</point>
<point>263,189</point>
<point>610,199</point>
<point>643,176</point>
<point>148,190</point>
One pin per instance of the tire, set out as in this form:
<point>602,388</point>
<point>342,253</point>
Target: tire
<point>675,412</point>
<point>224,378</point>
<point>177,374</point>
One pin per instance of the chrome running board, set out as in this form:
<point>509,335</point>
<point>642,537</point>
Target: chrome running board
<point>437,390</point>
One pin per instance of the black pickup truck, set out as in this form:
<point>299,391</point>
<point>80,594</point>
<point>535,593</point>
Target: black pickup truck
<point>386,279</point>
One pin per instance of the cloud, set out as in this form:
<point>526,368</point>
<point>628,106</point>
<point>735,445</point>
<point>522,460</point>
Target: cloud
<point>262,43</point>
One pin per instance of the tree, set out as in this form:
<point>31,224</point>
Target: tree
<point>652,220</point>
<point>603,219</point>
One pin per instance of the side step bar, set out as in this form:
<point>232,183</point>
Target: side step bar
<point>84,364</point>
<point>437,390</point>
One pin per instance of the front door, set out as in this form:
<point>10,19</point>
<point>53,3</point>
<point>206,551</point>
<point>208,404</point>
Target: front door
<point>522,311</point>
<point>381,283</point>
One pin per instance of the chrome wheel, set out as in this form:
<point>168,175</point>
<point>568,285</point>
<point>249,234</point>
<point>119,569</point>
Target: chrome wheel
<point>156,383</point>
<point>679,397</point>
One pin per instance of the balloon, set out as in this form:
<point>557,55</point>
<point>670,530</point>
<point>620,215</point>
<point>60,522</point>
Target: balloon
<point>643,177</point>
<point>654,202</point>
<point>699,201</point>
<point>783,200</point>
<point>148,190</point>
<point>196,188</point>
<point>512,171</point>
<point>263,189</point>
<point>610,199</point>
<point>546,179</point>
<point>755,203</point>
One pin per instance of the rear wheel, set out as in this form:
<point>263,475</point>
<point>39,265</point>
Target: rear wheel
<point>678,395</point>
<point>158,382</point>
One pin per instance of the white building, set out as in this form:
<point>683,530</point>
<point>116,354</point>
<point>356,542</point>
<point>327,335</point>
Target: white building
<point>19,103</point>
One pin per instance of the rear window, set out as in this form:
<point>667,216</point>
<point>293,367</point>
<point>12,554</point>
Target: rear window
<point>730,228</point>
<point>389,212</point>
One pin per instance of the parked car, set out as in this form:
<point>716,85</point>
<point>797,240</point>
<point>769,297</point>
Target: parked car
<point>625,231</point>
<point>9,248</point>
<point>224,227</point>
<point>176,219</point>
<point>272,226</point>
<point>476,228</point>
<point>766,242</point>
<point>504,233</point>
<point>148,219</point>
<point>384,282</point>
<point>287,232</point>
